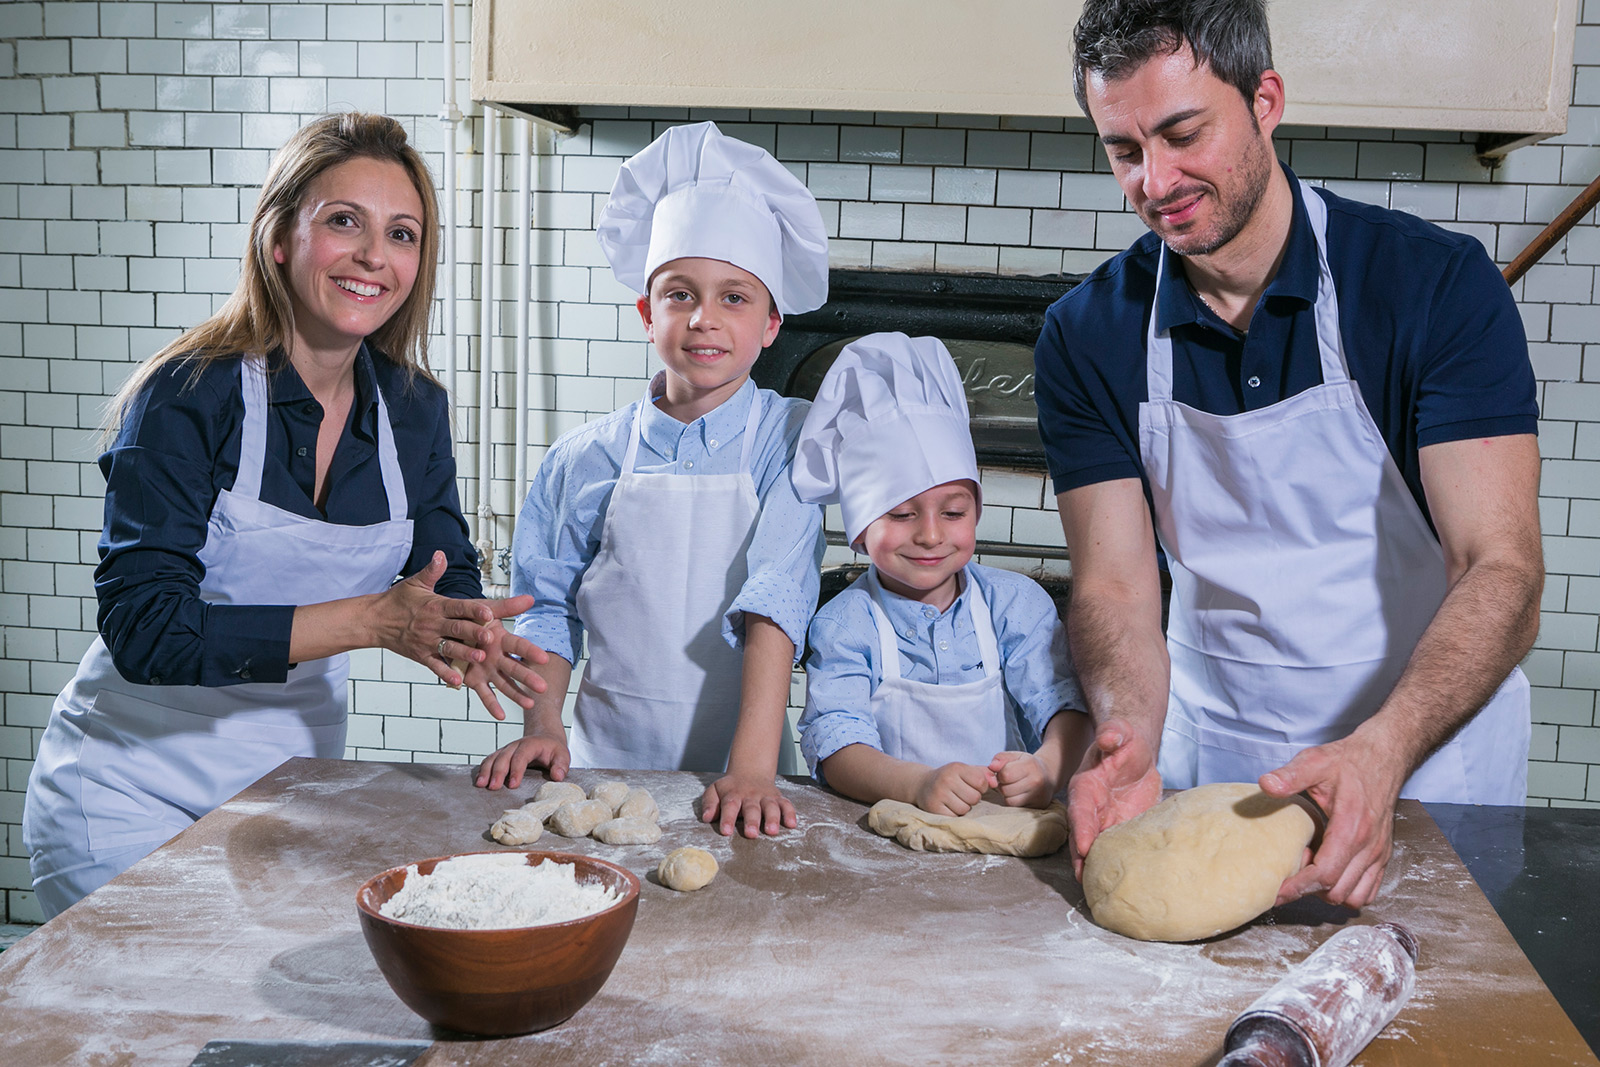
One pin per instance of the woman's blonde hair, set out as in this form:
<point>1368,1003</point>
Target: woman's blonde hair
<point>259,317</point>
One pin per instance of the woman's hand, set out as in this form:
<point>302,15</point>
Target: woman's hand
<point>419,624</point>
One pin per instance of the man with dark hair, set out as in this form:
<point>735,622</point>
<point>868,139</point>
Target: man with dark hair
<point>1322,413</point>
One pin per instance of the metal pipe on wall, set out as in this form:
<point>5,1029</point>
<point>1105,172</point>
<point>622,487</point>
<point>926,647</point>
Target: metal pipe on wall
<point>524,300</point>
<point>450,116</point>
<point>484,538</point>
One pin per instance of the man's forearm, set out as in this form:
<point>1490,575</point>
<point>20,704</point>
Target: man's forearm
<point>1121,658</point>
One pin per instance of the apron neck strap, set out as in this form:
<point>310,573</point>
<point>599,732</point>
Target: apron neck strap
<point>394,482</point>
<point>752,423</point>
<point>982,624</point>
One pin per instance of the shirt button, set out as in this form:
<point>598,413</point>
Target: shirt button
<point>928,613</point>
<point>1253,382</point>
<point>944,646</point>
<point>301,451</point>
<point>712,442</point>
<point>155,679</point>
<point>910,635</point>
<point>688,464</point>
<point>245,674</point>
<point>309,409</point>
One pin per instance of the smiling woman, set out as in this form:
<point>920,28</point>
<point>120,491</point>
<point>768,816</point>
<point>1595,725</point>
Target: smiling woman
<point>269,475</point>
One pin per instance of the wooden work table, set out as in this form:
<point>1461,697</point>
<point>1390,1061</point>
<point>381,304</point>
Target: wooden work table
<point>828,945</point>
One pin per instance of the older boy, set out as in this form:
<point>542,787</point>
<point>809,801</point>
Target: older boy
<point>668,530</point>
<point>931,680</point>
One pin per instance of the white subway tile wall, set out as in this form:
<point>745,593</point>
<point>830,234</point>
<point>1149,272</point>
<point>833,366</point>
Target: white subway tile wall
<point>133,136</point>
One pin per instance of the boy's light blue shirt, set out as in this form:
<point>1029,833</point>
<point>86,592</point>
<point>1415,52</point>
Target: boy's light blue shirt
<point>558,531</point>
<point>844,667</point>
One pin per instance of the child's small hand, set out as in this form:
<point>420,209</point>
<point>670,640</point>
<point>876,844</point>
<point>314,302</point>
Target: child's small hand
<point>1023,780</point>
<point>507,765</point>
<point>755,801</point>
<point>954,788</point>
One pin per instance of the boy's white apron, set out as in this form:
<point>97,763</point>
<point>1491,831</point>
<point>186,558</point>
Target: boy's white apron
<point>1303,575</point>
<point>662,686</point>
<point>936,724</point>
<point>123,767</point>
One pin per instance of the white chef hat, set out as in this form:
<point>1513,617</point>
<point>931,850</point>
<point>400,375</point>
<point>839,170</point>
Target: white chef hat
<point>694,192</point>
<point>889,422</point>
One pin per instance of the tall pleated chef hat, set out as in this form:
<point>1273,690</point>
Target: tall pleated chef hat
<point>694,192</point>
<point>889,421</point>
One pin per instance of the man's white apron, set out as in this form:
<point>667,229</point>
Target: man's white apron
<point>1303,575</point>
<point>123,767</point>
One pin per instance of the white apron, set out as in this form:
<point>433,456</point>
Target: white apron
<point>935,724</point>
<point>1303,575</point>
<point>123,767</point>
<point>661,690</point>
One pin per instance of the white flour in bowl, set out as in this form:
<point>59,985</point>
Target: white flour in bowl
<point>495,892</point>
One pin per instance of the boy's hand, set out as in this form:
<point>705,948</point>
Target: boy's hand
<point>504,667</point>
<point>1024,781</point>
<point>954,788</point>
<point>754,801</point>
<point>509,764</point>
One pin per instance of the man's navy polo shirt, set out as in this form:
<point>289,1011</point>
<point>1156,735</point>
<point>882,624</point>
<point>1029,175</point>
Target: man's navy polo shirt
<point>1431,334</point>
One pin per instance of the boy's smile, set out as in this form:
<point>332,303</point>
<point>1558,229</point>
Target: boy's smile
<point>709,321</point>
<point>920,546</point>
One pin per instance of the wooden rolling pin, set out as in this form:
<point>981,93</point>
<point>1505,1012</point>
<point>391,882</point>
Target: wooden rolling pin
<point>1328,1008</point>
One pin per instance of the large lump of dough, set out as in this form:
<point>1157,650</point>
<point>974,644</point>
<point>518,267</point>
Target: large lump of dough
<point>988,827</point>
<point>1197,864</point>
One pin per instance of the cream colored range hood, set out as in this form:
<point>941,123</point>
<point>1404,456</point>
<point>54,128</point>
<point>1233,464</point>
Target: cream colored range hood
<point>1498,68</point>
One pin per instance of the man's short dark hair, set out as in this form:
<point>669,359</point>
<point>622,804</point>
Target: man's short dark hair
<point>1113,38</point>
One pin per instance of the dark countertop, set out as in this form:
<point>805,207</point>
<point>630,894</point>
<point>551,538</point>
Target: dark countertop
<point>1540,868</point>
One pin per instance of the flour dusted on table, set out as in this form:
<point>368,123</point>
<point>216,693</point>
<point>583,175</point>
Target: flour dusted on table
<point>495,892</point>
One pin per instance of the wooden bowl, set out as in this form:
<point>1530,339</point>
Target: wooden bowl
<point>499,982</point>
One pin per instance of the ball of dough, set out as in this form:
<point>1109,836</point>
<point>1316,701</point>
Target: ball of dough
<point>992,828</point>
<point>613,793</point>
<point>687,869</point>
<point>519,826</point>
<point>639,805</point>
<point>628,831</point>
<point>543,809</point>
<point>564,790</point>
<point>579,817</point>
<point>1197,864</point>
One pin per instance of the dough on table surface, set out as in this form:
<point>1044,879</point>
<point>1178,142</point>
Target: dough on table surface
<point>1197,864</point>
<point>543,809</point>
<point>519,826</point>
<point>579,817</point>
<point>687,869</point>
<point>613,793</point>
<point>564,790</point>
<point>639,805</point>
<point>989,827</point>
<point>627,831</point>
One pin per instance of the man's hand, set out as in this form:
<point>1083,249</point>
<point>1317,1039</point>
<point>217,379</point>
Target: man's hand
<point>1116,781</point>
<point>1357,781</point>
<point>754,801</point>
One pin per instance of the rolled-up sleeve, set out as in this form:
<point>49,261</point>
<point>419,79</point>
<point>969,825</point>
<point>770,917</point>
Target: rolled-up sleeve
<point>160,489</point>
<point>1037,661</point>
<point>839,679</point>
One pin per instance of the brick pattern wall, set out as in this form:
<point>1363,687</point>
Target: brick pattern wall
<point>133,136</point>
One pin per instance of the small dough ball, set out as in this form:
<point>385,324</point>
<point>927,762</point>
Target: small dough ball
<point>1197,864</point>
<point>628,831</point>
<point>564,790</point>
<point>579,817</point>
<point>543,809</point>
<point>687,869</point>
<point>613,793</point>
<point>518,826</point>
<point>639,805</point>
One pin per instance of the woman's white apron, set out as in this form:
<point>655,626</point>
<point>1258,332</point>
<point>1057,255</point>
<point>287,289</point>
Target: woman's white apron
<point>1303,575</point>
<point>938,724</point>
<point>123,767</point>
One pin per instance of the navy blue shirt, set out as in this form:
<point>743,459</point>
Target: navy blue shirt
<point>1431,335</point>
<point>178,448</point>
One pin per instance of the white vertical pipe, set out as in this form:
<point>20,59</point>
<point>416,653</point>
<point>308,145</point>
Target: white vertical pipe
<point>524,299</point>
<point>491,166</point>
<point>450,116</point>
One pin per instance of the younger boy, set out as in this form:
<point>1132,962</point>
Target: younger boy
<point>931,679</point>
<point>668,530</point>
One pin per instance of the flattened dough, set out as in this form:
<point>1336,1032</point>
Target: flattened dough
<point>639,805</point>
<point>578,818</point>
<point>1197,864</point>
<point>613,793</point>
<point>989,827</point>
<point>519,826</point>
<point>687,869</point>
<point>564,790</point>
<point>628,831</point>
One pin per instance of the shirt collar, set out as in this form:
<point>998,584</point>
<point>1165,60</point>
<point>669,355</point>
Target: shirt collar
<point>1297,275</point>
<point>902,610</point>
<point>287,387</point>
<point>714,429</point>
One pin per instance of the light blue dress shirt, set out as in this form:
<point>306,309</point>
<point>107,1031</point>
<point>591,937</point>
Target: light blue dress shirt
<point>843,667</point>
<point>558,531</point>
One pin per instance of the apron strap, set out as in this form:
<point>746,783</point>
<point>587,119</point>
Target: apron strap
<point>888,643</point>
<point>752,424</point>
<point>253,439</point>
<point>982,625</point>
<point>394,482</point>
